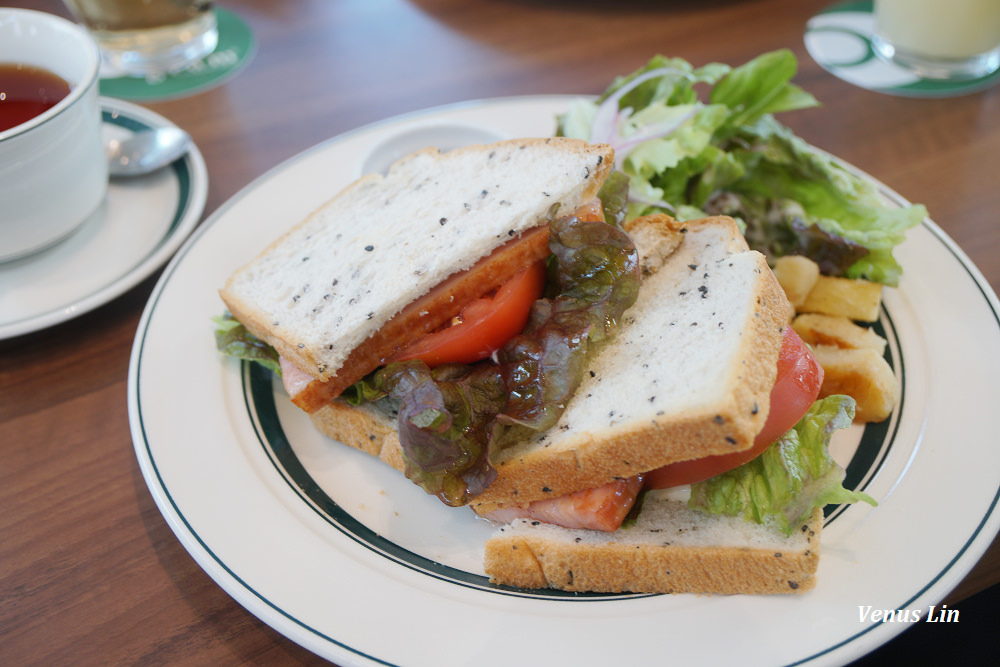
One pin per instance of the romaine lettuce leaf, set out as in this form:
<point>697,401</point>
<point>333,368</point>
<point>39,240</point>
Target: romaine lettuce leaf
<point>793,476</point>
<point>760,87</point>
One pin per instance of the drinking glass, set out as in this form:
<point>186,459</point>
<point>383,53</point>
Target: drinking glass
<point>940,39</point>
<point>149,37</point>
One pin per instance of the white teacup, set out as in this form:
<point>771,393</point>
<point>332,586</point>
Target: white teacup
<point>53,169</point>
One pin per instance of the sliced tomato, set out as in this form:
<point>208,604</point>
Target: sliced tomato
<point>483,326</point>
<point>796,388</point>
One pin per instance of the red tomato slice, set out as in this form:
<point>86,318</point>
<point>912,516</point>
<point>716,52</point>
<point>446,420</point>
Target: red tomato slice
<point>483,326</point>
<point>796,388</point>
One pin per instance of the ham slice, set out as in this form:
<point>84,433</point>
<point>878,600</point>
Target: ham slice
<point>294,380</point>
<point>603,508</point>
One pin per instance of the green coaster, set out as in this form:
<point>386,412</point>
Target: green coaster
<point>236,47</point>
<point>839,39</point>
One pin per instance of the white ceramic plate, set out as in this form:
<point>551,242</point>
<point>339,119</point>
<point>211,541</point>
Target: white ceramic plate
<point>141,223</point>
<point>344,556</point>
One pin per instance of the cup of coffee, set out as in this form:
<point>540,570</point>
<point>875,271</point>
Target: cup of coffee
<point>53,168</point>
<point>149,38</point>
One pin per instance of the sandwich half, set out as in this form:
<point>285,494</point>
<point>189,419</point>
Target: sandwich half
<point>346,288</point>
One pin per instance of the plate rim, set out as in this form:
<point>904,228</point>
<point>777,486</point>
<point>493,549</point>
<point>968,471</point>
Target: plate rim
<point>309,641</point>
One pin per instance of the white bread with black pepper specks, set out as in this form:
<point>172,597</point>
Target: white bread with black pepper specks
<point>687,375</point>
<point>669,549</point>
<point>329,283</point>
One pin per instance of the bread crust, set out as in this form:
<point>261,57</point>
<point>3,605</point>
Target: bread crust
<point>361,427</point>
<point>621,565</point>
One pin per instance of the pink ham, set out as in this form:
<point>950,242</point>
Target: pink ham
<point>602,508</point>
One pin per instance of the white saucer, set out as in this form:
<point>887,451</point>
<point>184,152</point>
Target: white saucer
<point>139,226</point>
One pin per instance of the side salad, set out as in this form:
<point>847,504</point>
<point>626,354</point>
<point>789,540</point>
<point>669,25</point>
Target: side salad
<point>728,155</point>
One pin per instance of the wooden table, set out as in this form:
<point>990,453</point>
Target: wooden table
<point>89,571</point>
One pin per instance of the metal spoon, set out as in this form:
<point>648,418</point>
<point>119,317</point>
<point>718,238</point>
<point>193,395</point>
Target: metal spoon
<point>146,151</point>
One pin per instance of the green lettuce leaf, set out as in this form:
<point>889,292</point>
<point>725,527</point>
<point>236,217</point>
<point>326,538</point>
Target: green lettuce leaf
<point>793,476</point>
<point>614,198</point>
<point>682,154</point>
<point>760,87</point>
<point>233,339</point>
<point>779,166</point>
<point>674,85</point>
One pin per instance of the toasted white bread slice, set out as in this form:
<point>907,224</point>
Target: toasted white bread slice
<point>328,284</point>
<point>688,374</point>
<point>669,549</point>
